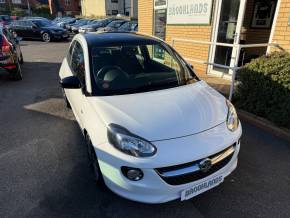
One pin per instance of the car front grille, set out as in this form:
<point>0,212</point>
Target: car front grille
<point>190,172</point>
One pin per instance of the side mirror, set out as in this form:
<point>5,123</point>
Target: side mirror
<point>71,82</point>
<point>34,27</point>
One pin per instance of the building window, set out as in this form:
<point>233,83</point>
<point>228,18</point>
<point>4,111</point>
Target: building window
<point>2,1</point>
<point>16,1</point>
<point>114,1</point>
<point>67,2</point>
<point>115,12</point>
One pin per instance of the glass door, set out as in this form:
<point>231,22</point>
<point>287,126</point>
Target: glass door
<point>229,16</point>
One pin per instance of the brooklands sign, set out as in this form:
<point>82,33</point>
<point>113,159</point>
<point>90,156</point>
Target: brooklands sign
<point>195,12</point>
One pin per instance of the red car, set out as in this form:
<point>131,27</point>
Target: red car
<point>10,54</point>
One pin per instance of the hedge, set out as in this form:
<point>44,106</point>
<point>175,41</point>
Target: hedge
<point>264,88</point>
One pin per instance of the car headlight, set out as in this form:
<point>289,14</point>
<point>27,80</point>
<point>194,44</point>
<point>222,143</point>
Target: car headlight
<point>232,117</point>
<point>129,143</point>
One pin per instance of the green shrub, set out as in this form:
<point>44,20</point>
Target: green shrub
<point>264,88</point>
<point>18,12</point>
<point>41,10</point>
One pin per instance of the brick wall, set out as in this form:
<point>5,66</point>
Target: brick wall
<point>188,50</point>
<point>145,16</point>
<point>93,8</point>
<point>282,30</point>
<point>73,7</point>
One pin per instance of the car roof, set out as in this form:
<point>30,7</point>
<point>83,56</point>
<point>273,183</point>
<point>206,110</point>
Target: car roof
<point>33,19</point>
<point>118,38</point>
<point>119,21</point>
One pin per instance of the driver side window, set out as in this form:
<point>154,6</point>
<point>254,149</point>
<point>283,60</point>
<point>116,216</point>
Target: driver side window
<point>77,62</point>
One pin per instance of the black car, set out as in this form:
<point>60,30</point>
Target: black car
<point>75,26</point>
<point>95,25</point>
<point>131,26</point>
<point>10,54</point>
<point>5,19</point>
<point>38,29</point>
<point>113,26</point>
<point>62,23</point>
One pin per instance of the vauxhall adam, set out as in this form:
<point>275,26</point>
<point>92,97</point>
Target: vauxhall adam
<point>154,131</point>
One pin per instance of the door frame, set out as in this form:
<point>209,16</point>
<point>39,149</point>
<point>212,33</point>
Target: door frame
<point>236,43</point>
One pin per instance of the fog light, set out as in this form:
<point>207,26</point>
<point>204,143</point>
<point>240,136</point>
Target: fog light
<point>133,174</point>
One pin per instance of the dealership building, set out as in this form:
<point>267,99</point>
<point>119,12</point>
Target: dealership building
<point>217,36</point>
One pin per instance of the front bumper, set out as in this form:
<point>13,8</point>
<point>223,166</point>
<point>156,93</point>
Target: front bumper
<point>63,35</point>
<point>152,188</point>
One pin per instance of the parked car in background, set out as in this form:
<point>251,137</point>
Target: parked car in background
<point>74,27</point>
<point>66,21</point>
<point>38,29</point>
<point>113,26</point>
<point>58,19</point>
<point>131,26</point>
<point>154,131</point>
<point>94,26</point>
<point>10,54</point>
<point>38,18</point>
<point>5,20</point>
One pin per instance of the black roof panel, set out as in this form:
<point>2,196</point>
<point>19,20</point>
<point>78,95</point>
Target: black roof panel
<point>117,38</point>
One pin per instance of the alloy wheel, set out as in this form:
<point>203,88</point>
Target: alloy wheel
<point>46,37</point>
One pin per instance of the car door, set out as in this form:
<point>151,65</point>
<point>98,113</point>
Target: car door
<point>17,27</point>
<point>35,30</point>
<point>24,27</point>
<point>30,29</point>
<point>77,97</point>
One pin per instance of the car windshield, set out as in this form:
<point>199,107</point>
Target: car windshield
<point>127,69</point>
<point>42,23</point>
<point>81,21</point>
<point>129,26</point>
<point>115,24</point>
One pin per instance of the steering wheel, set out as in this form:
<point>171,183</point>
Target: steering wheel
<point>102,72</point>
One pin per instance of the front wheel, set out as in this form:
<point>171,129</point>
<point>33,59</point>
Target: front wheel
<point>46,37</point>
<point>21,61</point>
<point>93,162</point>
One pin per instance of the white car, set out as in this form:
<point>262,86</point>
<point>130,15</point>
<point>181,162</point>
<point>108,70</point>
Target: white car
<point>154,131</point>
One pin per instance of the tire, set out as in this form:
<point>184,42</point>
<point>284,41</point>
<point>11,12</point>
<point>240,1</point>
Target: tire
<point>21,61</point>
<point>66,100</point>
<point>46,37</point>
<point>16,76</point>
<point>93,162</point>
